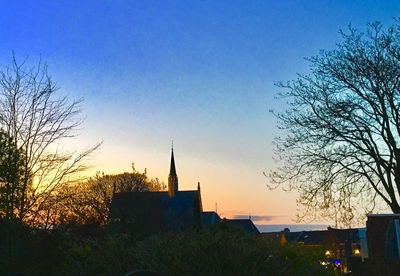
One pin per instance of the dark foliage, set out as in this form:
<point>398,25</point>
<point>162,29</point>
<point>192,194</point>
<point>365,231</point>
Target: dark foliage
<point>224,250</point>
<point>91,250</point>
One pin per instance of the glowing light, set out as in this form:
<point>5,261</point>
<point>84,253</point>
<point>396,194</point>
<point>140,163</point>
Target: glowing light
<point>357,251</point>
<point>327,253</point>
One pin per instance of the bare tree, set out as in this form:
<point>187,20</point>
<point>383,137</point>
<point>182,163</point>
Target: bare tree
<point>341,142</point>
<point>38,121</point>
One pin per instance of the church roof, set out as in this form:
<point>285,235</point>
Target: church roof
<point>156,211</point>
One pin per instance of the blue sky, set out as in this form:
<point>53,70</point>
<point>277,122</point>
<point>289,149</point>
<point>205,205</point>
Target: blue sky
<point>199,72</point>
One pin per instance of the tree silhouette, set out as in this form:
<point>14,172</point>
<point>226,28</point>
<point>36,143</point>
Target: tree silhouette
<point>35,122</point>
<point>341,143</point>
<point>88,202</point>
<point>11,172</point>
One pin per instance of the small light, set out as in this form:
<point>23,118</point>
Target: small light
<point>356,251</point>
<point>327,253</point>
<point>337,262</point>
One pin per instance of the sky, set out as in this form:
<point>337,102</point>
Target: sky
<point>200,73</point>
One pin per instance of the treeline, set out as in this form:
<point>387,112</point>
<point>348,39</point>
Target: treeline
<point>88,202</point>
<point>72,213</point>
<point>92,250</point>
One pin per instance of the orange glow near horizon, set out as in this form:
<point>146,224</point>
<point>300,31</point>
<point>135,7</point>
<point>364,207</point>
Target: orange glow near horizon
<point>202,74</point>
<point>239,193</point>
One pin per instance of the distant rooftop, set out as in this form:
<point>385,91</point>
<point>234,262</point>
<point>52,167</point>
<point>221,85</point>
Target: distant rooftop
<point>245,224</point>
<point>209,218</point>
<point>265,228</point>
<point>383,215</point>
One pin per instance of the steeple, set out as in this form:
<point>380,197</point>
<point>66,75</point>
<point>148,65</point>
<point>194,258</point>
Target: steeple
<point>172,178</point>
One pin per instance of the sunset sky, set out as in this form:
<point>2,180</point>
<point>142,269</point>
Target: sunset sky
<point>200,74</point>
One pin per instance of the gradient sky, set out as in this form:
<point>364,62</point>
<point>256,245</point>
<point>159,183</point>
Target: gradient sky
<point>200,73</point>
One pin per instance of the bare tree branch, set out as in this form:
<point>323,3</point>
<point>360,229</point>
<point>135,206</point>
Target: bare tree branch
<point>342,130</point>
<point>38,121</point>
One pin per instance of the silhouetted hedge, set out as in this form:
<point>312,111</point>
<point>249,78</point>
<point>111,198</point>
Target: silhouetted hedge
<point>222,250</point>
<point>91,250</point>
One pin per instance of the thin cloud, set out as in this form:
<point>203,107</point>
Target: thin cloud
<point>256,218</point>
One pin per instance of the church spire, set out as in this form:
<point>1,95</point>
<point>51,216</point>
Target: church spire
<point>172,178</point>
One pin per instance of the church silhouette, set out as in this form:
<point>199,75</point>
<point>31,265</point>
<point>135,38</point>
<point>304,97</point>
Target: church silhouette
<point>154,212</point>
<point>147,213</point>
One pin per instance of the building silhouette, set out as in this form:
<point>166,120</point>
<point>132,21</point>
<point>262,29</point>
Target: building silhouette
<point>145,213</point>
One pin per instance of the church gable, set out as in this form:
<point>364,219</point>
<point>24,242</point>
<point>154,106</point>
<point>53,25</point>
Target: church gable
<point>152,212</point>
